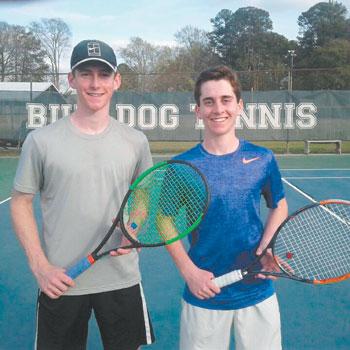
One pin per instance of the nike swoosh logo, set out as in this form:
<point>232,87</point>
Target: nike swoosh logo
<point>247,161</point>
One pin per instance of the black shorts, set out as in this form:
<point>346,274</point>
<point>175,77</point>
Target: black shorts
<point>121,315</point>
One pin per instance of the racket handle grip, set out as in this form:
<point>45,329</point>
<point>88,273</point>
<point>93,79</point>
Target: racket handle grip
<point>78,268</point>
<point>228,278</point>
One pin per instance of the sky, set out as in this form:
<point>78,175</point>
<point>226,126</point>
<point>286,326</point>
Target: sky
<point>155,21</point>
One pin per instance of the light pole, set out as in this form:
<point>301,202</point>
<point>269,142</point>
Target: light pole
<point>292,54</point>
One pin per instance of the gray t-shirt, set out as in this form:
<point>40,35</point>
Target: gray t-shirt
<point>82,180</point>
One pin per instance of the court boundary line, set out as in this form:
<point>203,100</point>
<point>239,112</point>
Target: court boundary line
<point>299,190</point>
<point>5,200</point>
<point>317,177</point>
<point>323,169</point>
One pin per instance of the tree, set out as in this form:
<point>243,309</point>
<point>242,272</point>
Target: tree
<point>195,51</point>
<point>5,50</point>
<point>264,63</point>
<point>237,36</point>
<point>323,47</point>
<point>174,74</point>
<point>54,35</point>
<point>332,67</point>
<point>251,20</point>
<point>181,66</point>
<point>142,58</point>
<point>244,40</point>
<point>236,33</point>
<point>139,55</point>
<point>252,27</point>
<point>223,37</point>
<point>29,58</point>
<point>21,56</point>
<point>191,38</point>
<point>322,23</point>
<point>129,77</point>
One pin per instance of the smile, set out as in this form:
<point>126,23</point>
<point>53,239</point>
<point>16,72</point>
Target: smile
<point>95,94</point>
<point>219,120</point>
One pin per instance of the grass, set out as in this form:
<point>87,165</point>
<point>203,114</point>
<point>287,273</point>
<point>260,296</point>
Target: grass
<point>175,147</point>
<point>9,152</point>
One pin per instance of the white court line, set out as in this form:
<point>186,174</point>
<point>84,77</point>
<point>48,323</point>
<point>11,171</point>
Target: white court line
<point>5,200</point>
<point>316,177</point>
<point>323,169</point>
<point>299,190</point>
<point>313,200</point>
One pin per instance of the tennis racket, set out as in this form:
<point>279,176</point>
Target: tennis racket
<point>312,245</point>
<point>163,205</point>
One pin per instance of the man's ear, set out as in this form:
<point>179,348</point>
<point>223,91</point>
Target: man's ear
<point>71,80</point>
<point>117,81</point>
<point>240,104</point>
<point>197,112</point>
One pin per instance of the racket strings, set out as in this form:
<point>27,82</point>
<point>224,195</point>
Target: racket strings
<point>317,262</point>
<point>314,244</point>
<point>166,204</point>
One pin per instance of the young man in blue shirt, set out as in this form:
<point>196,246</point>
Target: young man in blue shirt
<point>238,173</point>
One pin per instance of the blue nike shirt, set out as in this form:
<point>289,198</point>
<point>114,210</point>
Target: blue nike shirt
<point>231,230</point>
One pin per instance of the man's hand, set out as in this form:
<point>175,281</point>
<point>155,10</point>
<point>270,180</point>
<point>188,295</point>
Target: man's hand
<point>200,283</point>
<point>53,281</point>
<point>122,251</point>
<point>268,264</point>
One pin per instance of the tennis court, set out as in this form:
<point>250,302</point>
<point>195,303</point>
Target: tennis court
<point>312,317</point>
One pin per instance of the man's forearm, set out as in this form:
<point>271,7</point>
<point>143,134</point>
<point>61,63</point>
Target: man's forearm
<point>26,230</point>
<point>275,218</point>
<point>181,259</point>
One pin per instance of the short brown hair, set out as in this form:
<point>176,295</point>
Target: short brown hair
<point>217,73</point>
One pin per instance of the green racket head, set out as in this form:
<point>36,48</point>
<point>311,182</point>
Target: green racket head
<point>164,204</point>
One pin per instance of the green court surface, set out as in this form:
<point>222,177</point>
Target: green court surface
<point>7,172</point>
<point>313,317</point>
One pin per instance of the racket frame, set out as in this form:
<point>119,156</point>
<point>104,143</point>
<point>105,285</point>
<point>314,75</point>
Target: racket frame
<point>89,260</point>
<point>240,274</point>
<point>136,244</point>
<point>288,274</point>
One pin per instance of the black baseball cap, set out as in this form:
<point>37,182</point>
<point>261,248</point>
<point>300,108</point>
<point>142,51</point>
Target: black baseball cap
<point>93,50</point>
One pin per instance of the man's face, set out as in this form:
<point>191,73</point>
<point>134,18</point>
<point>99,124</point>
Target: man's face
<point>218,107</point>
<point>95,84</point>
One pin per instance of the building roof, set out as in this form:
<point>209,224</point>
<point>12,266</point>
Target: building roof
<point>27,86</point>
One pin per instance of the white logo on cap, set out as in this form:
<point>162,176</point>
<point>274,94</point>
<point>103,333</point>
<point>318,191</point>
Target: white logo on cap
<point>94,49</point>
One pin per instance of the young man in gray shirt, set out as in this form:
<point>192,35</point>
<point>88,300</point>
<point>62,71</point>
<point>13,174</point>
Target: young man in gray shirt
<point>82,166</point>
